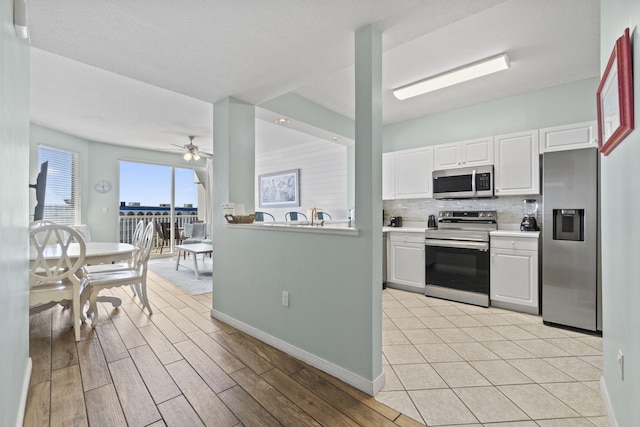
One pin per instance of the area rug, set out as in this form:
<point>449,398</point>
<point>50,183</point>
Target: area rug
<point>184,277</point>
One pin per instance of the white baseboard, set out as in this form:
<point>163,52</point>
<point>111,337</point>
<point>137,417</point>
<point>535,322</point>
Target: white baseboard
<point>607,403</point>
<point>362,384</point>
<point>24,392</point>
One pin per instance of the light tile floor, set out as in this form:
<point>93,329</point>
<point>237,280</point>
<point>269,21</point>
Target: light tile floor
<point>448,363</point>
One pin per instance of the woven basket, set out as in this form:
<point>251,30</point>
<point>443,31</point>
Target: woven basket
<point>240,219</point>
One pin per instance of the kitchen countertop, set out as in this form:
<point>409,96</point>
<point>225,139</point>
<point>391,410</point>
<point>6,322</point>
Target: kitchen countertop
<point>408,227</point>
<point>515,233</point>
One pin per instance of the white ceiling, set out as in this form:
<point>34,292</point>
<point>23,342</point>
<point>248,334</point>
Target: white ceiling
<point>145,73</point>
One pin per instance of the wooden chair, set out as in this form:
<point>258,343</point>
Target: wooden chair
<point>135,276</point>
<point>262,216</point>
<point>160,234</point>
<point>53,279</point>
<point>295,216</point>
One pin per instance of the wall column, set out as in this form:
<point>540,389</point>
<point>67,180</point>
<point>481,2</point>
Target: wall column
<point>234,154</point>
<point>368,174</point>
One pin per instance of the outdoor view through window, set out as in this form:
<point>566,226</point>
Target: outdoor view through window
<point>150,185</point>
<point>145,194</point>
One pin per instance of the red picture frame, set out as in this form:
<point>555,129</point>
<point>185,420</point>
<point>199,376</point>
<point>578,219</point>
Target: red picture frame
<point>615,97</point>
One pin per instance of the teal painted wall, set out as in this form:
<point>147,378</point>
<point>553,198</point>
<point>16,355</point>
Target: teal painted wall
<point>99,162</point>
<point>559,105</point>
<point>334,281</point>
<point>14,218</point>
<point>620,251</point>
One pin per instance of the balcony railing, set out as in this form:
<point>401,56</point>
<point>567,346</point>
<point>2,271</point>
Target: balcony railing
<point>128,225</point>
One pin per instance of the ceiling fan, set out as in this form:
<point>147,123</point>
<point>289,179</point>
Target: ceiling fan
<point>192,150</point>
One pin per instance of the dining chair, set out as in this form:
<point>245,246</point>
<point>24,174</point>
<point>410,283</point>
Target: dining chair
<point>322,216</point>
<point>124,265</point>
<point>160,234</point>
<point>40,223</point>
<point>53,279</point>
<point>294,216</point>
<point>262,216</point>
<point>136,276</point>
<point>83,230</point>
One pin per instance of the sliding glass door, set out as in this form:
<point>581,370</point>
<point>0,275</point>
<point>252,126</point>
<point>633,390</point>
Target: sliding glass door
<point>164,195</point>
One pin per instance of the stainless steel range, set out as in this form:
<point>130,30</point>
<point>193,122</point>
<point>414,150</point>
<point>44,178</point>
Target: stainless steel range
<point>457,256</point>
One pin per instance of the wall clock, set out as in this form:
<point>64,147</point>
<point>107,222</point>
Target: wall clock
<point>103,187</point>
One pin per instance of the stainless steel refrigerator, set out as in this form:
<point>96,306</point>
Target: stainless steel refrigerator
<point>571,288</point>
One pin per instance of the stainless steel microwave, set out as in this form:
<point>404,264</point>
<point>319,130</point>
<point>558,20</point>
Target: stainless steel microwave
<point>463,183</point>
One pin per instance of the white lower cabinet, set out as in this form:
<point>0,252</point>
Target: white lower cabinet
<point>515,272</point>
<point>406,267</point>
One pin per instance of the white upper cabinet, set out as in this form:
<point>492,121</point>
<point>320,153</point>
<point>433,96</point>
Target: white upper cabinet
<point>413,177</point>
<point>569,137</point>
<point>388,176</point>
<point>472,152</point>
<point>447,156</point>
<point>517,164</point>
<point>406,174</point>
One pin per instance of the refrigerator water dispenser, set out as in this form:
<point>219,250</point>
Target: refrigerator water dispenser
<point>568,224</point>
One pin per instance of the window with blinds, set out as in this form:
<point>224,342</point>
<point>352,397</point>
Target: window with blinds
<point>61,200</point>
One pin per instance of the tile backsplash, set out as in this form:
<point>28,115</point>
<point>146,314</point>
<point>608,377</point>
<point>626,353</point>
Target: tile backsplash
<point>510,211</point>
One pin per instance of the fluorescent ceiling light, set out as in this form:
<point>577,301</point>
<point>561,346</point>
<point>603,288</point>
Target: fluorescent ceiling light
<point>449,78</point>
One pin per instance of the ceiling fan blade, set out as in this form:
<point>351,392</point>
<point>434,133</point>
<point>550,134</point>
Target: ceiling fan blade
<point>179,146</point>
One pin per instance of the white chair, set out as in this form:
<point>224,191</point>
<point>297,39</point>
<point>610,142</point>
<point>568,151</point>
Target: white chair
<point>52,276</point>
<point>135,276</point>
<point>103,268</point>
<point>198,234</point>
<point>125,265</point>
<point>84,231</point>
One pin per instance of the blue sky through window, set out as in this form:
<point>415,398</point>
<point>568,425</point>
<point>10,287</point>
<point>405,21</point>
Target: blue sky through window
<point>151,185</point>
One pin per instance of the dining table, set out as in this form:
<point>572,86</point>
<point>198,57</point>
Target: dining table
<point>95,253</point>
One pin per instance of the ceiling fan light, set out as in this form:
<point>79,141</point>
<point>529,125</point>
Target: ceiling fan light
<point>196,156</point>
<point>187,156</point>
<point>452,77</point>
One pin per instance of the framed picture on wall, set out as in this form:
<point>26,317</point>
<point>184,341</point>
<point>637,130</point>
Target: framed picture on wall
<point>279,189</point>
<point>615,97</point>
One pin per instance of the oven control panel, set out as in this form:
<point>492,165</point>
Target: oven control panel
<point>468,215</point>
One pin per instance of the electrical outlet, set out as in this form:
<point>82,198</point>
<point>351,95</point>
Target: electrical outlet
<point>621,365</point>
<point>285,298</point>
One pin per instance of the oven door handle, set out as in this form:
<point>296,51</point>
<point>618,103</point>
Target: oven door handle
<point>481,246</point>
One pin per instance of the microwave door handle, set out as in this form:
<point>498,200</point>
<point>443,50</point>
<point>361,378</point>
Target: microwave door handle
<point>473,181</point>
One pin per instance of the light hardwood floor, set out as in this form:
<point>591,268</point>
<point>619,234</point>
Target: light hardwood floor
<point>179,367</point>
